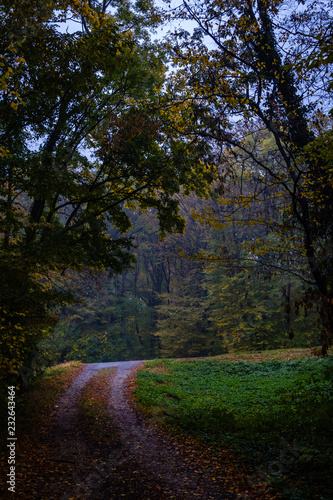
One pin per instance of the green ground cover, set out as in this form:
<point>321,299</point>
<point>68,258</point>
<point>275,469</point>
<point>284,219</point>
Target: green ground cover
<point>276,415</point>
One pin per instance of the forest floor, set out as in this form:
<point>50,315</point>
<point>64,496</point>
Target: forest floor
<point>82,455</point>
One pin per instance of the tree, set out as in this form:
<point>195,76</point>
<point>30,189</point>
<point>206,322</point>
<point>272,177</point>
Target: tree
<point>107,325</point>
<point>183,327</point>
<point>254,72</point>
<point>248,308</point>
<point>84,142</point>
<point>182,319</point>
<point>124,311</point>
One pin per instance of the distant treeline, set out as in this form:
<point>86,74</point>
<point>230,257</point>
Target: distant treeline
<point>196,294</point>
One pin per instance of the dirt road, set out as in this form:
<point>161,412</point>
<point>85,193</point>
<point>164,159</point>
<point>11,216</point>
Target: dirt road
<point>138,463</point>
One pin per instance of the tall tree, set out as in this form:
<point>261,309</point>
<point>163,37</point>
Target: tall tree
<point>249,71</point>
<point>248,308</point>
<point>182,325</point>
<point>124,311</point>
<point>83,140</point>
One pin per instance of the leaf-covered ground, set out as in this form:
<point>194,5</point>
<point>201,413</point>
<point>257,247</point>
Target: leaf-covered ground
<point>33,412</point>
<point>219,432</point>
<point>92,443</point>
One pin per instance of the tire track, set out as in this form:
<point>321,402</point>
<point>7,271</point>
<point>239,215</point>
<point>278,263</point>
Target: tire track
<point>138,463</point>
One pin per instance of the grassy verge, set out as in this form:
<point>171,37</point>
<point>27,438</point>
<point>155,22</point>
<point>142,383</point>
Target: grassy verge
<point>32,414</point>
<point>274,415</point>
<point>94,415</point>
<point>273,355</point>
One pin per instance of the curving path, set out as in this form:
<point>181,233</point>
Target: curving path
<point>138,463</point>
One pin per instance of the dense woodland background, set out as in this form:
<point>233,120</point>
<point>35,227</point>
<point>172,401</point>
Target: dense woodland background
<point>164,198</point>
<point>172,303</point>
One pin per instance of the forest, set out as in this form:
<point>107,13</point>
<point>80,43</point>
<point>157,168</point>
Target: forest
<point>164,196</point>
<point>171,304</point>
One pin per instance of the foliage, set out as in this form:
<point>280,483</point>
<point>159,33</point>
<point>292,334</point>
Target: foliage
<point>106,326</point>
<point>182,323</point>
<point>255,78</point>
<point>169,305</point>
<point>118,317</point>
<point>250,309</point>
<point>276,414</point>
<point>84,140</point>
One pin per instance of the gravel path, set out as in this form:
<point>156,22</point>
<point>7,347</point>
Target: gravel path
<point>139,463</point>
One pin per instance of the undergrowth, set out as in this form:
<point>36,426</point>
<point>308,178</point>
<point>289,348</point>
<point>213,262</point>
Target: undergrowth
<point>276,415</point>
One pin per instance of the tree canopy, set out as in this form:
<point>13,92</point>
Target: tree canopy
<point>257,78</point>
<point>94,126</point>
<point>82,138</point>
